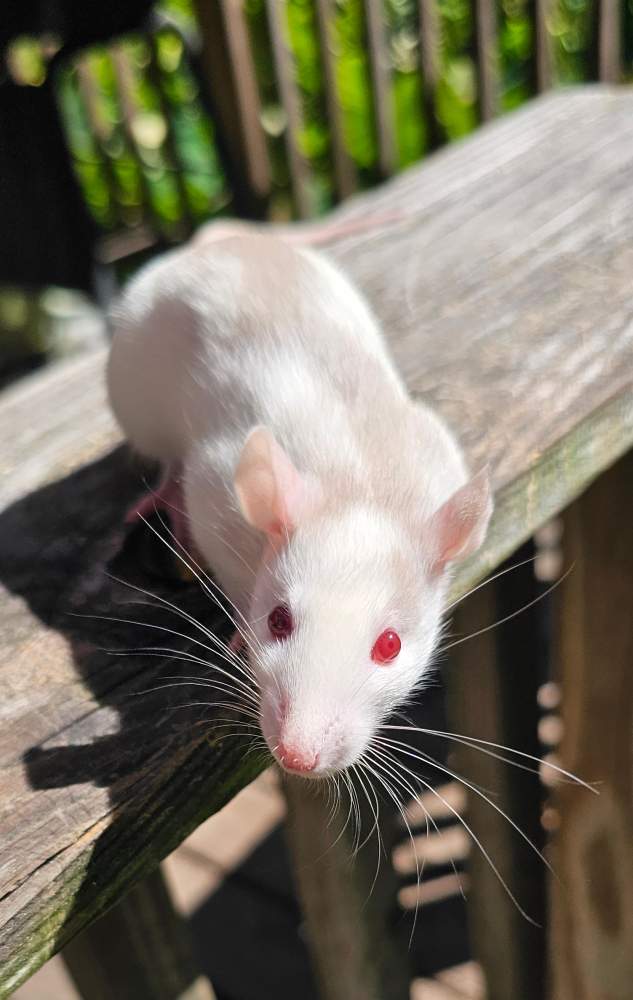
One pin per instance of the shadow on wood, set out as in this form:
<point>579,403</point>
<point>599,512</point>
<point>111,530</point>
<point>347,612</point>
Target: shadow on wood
<point>139,950</point>
<point>591,949</point>
<point>96,741</point>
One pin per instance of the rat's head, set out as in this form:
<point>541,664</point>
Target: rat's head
<point>347,605</point>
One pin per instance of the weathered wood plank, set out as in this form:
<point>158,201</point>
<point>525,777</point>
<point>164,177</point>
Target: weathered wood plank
<point>241,142</point>
<point>124,82</point>
<point>542,71</point>
<point>493,294</point>
<point>300,171</point>
<point>492,685</point>
<point>171,149</point>
<point>381,85</point>
<point>354,959</point>
<point>139,950</point>
<point>344,167</point>
<point>486,53</point>
<point>248,97</point>
<point>609,41</point>
<point>84,749</point>
<point>430,55</point>
<point>89,95</point>
<point>591,954</point>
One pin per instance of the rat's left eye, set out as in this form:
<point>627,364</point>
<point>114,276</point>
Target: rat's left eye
<point>280,622</point>
<point>386,647</point>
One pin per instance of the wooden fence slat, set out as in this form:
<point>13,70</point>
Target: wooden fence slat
<point>89,97</point>
<point>300,172</point>
<point>355,954</point>
<point>430,53</point>
<point>460,337</point>
<point>485,19</point>
<point>492,688</point>
<point>381,81</point>
<point>248,172</point>
<point>170,146</point>
<point>139,950</point>
<point>248,97</point>
<point>124,86</point>
<point>609,40</point>
<point>592,903</point>
<point>344,168</point>
<point>542,71</point>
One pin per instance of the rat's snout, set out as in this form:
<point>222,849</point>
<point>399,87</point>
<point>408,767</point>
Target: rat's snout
<point>296,759</point>
<point>304,741</point>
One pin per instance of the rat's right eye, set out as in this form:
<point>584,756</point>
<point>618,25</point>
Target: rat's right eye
<point>386,647</point>
<point>280,622</point>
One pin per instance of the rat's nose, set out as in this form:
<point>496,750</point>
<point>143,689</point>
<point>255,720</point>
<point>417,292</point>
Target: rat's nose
<point>293,759</point>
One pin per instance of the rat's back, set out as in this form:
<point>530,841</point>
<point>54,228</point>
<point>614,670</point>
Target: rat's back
<point>240,330</point>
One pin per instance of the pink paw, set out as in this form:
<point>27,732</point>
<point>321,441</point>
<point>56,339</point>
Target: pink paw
<point>236,642</point>
<point>167,498</point>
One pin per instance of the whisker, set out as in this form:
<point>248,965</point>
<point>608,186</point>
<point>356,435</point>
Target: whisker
<point>234,705</point>
<point>186,616</point>
<point>227,544</point>
<point>400,807</point>
<point>467,784</point>
<point>472,740</point>
<point>490,579</point>
<point>344,777</point>
<point>164,628</point>
<point>203,578</point>
<point>195,679</point>
<point>468,829</point>
<point>375,809</point>
<point>356,770</point>
<point>509,617</point>
<point>222,722</point>
<point>185,658</point>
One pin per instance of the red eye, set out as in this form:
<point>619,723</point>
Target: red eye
<point>386,647</point>
<point>280,622</point>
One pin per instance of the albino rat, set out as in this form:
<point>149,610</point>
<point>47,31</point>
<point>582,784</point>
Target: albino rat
<point>328,505</point>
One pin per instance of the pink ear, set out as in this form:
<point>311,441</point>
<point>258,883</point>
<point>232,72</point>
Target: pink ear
<point>272,494</point>
<point>459,527</point>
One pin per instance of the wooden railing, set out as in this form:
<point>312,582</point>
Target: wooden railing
<point>513,317</point>
<point>139,112</point>
<point>179,124</point>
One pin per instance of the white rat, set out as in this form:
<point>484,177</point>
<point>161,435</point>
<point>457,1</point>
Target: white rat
<point>328,505</point>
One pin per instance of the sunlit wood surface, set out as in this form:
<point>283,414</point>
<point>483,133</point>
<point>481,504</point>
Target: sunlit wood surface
<point>505,293</point>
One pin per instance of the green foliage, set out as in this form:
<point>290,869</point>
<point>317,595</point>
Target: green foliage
<point>571,27</point>
<point>141,141</point>
<point>353,81</point>
<point>144,147</point>
<point>313,138</point>
<point>273,116</point>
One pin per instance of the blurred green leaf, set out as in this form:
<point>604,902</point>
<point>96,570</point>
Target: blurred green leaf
<point>129,170</point>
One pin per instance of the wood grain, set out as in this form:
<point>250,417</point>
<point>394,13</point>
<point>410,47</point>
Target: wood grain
<point>380,63</point>
<point>609,41</point>
<point>542,58</point>
<point>499,704</point>
<point>505,293</point>
<point>140,950</point>
<point>354,959</point>
<point>234,104</point>
<point>343,164</point>
<point>249,103</point>
<point>486,58</point>
<point>591,954</point>
<point>430,64</point>
<point>285,73</point>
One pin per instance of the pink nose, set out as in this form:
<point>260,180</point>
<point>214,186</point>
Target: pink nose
<point>296,760</point>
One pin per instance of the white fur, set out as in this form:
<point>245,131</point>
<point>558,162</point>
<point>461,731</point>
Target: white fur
<point>220,336</point>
